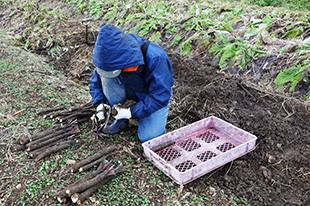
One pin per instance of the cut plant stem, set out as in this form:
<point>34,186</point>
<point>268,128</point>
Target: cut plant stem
<point>90,165</point>
<point>36,152</point>
<point>80,198</point>
<point>92,158</point>
<point>41,134</point>
<point>72,110</point>
<point>62,193</point>
<point>18,147</point>
<point>61,199</point>
<point>162,146</point>
<point>50,110</point>
<point>76,115</point>
<point>84,119</point>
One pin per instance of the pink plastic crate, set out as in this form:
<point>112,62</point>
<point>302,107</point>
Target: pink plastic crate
<point>196,149</point>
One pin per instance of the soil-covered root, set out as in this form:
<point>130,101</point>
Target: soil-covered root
<point>94,158</point>
<point>52,137</point>
<point>43,133</point>
<point>56,148</point>
<point>79,198</point>
<point>77,113</point>
<point>91,182</point>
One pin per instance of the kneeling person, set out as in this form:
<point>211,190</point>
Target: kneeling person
<point>129,67</point>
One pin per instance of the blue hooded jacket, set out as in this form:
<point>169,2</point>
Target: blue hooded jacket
<point>151,82</point>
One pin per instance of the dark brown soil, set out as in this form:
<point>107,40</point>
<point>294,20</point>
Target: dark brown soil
<point>277,171</point>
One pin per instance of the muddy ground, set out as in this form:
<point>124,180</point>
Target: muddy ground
<point>277,172</point>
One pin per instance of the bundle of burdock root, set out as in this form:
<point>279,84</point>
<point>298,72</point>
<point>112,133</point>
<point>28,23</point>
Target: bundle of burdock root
<point>60,114</point>
<point>50,141</point>
<point>58,137</point>
<point>86,186</point>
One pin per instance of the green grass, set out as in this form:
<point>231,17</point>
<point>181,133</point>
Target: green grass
<point>28,86</point>
<point>31,88</point>
<point>302,5</point>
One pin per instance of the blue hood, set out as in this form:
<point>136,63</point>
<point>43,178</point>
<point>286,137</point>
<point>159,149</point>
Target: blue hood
<point>116,50</point>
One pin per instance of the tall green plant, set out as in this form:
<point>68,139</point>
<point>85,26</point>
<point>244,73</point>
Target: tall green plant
<point>235,52</point>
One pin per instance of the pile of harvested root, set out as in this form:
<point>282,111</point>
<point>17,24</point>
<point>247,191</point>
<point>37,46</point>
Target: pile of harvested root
<point>50,141</point>
<point>86,186</point>
<point>62,115</point>
<point>58,137</point>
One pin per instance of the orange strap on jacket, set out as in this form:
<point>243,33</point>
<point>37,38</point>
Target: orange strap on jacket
<point>130,69</point>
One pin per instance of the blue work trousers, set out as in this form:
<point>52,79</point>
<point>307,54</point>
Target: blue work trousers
<point>149,127</point>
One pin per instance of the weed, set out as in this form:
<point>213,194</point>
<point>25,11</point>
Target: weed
<point>176,40</point>
<point>12,13</point>
<point>291,75</point>
<point>233,52</point>
<point>156,37</point>
<point>187,47</point>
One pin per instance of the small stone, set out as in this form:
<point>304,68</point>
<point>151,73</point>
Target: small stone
<point>70,162</point>
<point>19,186</point>
<point>92,199</point>
<point>266,172</point>
<point>271,159</point>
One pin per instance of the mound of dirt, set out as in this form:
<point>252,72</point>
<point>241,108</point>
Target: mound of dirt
<point>277,171</point>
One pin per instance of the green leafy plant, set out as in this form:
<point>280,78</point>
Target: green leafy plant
<point>177,40</point>
<point>235,52</point>
<point>155,37</point>
<point>293,33</point>
<point>96,10</point>
<point>187,47</point>
<point>227,26</point>
<point>290,4</point>
<point>12,13</point>
<point>290,75</point>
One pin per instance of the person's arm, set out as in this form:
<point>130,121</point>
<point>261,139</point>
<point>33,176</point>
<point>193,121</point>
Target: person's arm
<point>159,79</point>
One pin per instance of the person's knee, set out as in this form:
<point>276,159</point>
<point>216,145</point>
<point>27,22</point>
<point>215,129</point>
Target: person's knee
<point>150,133</point>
